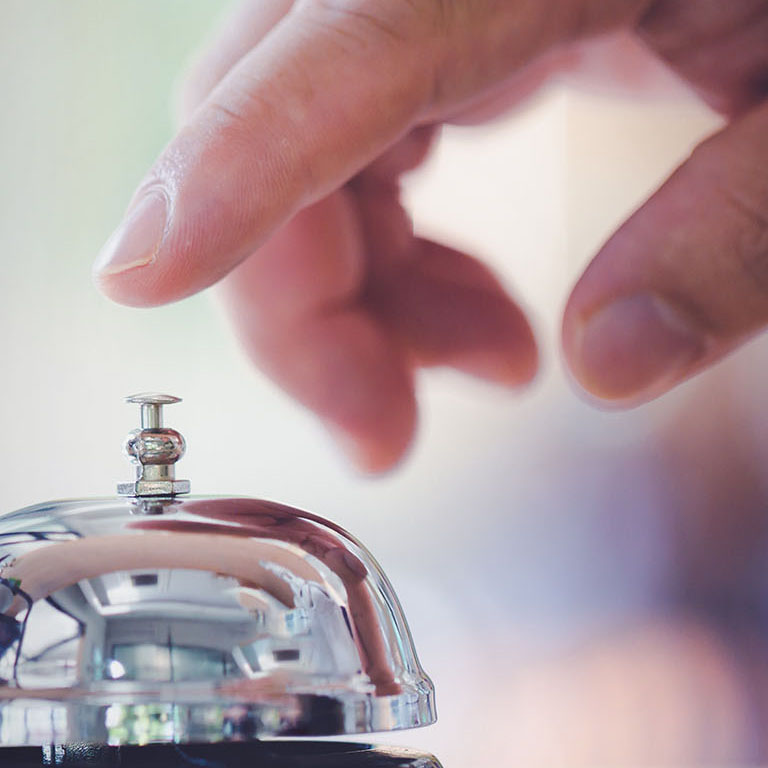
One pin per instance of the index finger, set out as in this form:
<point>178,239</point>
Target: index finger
<point>287,125</point>
<point>331,86</point>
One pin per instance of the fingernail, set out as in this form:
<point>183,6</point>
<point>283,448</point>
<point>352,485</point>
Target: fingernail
<point>136,241</point>
<point>636,347</point>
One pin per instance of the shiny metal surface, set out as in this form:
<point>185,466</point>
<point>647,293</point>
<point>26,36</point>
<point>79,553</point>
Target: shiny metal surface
<point>154,449</point>
<point>130,621</point>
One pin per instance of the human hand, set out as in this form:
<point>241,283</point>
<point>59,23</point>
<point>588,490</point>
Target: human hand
<point>283,184</point>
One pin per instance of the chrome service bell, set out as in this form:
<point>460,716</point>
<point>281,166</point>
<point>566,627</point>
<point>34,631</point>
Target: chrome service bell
<point>156,628</point>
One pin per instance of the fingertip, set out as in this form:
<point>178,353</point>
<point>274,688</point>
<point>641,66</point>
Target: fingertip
<point>141,265</point>
<point>162,277</point>
<point>378,433</point>
<point>346,369</point>
<point>632,348</point>
<point>137,288</point>
<point>512,362</point>
<point>133,247</point>
<point>528,361</point>
<point>374,455</point>
<point>114,290</point>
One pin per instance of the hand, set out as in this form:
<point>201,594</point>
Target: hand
<point>283,184</point>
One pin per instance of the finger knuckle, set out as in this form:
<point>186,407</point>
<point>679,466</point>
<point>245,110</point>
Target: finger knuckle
<point>228,115</point>
<point>396,18</point>
<point>193,89</point>
<point>749,216</point>
<point>752,242</point>
<point>405,27</point>
<point>403,33</point>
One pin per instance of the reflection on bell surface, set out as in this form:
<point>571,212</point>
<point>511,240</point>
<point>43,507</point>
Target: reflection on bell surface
<point>160,617</point>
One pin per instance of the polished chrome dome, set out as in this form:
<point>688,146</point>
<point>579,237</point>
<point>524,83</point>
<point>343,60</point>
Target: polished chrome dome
<point>129,621</point>
<point>193,619</point>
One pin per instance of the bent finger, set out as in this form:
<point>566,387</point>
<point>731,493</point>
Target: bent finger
<point>294,305</point>
<point>449,310</point>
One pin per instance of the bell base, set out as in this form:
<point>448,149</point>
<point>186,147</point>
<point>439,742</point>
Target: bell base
<point>264,754</point>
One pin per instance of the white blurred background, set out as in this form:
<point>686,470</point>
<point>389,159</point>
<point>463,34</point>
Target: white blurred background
<point>584,587</point>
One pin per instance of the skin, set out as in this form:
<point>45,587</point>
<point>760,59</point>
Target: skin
<point>282,186</point>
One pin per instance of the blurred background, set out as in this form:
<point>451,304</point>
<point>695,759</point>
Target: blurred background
<point>584,587</point>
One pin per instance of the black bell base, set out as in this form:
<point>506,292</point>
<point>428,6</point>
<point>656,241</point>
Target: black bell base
<point>260,754</point>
